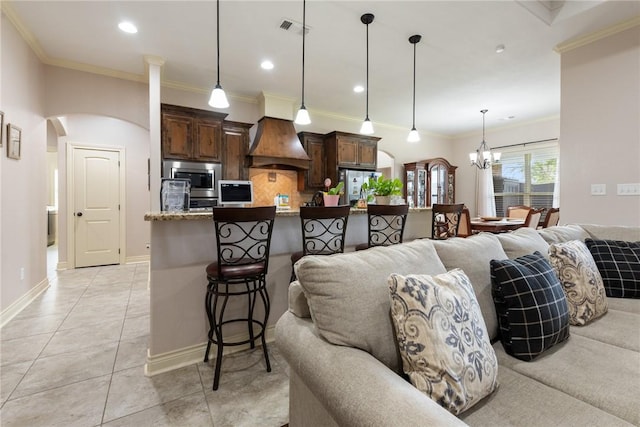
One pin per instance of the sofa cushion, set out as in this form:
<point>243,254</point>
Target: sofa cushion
<point>602,375</point>
<point>612,232</point>
<point>563,233</point>
<point>619,328</point>
<point>472,255</point>
<point>523,241</point>
<point>624,304</point>
<point>438,321</point>
<point>531,305</point>
<point>580,280</point>
<point>348,294</point>
<point>523,401</point>
<point>619,264</point>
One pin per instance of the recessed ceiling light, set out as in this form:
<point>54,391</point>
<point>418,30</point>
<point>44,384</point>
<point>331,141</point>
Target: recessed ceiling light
<point>128,27</point>
<point>500,48</point>
<point>358,88</point>
<point>266,65</point>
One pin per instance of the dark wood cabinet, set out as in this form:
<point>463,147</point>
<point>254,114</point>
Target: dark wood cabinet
<point>441,181</point>
<point>350,151</point>
<point>235,146</point>
<point>313,179</point>
<point>191,134</point>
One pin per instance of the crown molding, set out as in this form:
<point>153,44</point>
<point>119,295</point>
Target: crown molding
<point>24,32</point>
<point>499,128</point>
<point>597,35</point>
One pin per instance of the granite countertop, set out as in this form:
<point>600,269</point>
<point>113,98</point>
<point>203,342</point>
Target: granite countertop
<point>207,215</point>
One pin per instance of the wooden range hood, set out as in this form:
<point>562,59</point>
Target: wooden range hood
<point>277,146</point>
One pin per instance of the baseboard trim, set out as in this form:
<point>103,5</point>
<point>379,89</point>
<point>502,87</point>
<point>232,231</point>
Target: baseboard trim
<point>137,259</point>
<point>62,265</point>
<point>186,356</point>
<point>21,303</point>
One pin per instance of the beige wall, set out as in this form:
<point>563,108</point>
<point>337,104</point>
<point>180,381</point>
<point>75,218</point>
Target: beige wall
<point>23,191</point>
<point>600,129</point>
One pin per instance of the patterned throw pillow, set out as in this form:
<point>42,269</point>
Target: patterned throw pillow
<point>442,338</point>
<point>619,266</point>
<point>581,281</point>
<point>531,306</point>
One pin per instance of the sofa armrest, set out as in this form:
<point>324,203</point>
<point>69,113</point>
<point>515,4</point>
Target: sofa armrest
<point>353,386</point>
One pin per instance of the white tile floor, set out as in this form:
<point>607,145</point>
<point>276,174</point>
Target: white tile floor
<point>75,357</point>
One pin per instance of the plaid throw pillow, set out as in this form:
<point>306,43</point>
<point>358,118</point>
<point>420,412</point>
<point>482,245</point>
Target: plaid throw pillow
<point>619,266</point>
<point>532,309</point>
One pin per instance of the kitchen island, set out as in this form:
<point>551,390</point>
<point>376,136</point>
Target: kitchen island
<point>183,244</point>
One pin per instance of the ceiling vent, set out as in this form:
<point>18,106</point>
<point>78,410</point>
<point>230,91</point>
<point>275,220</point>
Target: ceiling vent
<point>293,26</point>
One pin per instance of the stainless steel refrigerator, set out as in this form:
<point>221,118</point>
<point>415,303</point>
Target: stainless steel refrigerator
<point>353,180</point>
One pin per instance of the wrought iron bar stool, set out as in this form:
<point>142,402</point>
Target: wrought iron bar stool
<point>243,238</point>
<point>445,220</point>
<point>386,225</point>
<point>323,231</point>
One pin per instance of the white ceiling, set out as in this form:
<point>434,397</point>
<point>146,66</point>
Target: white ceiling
<point>458,71</point>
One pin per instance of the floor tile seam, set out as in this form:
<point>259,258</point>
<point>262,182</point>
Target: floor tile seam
<point>151,407</point>
<point>47,390</point>
<point>204,392</point>
<point>75,351</point>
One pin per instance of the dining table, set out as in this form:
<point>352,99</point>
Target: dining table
<point>496,224</point>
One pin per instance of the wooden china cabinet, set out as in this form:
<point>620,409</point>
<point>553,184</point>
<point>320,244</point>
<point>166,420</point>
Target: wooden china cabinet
<point>441,181</point>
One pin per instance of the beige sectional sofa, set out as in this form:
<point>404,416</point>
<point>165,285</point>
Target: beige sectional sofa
<point>346,369</point>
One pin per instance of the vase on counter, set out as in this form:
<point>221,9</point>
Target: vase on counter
<point>331,199</point>
<point>383,200</point>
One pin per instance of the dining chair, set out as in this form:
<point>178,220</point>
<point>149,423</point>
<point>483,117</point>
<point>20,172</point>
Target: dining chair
<point>552,218</point>
<point>323,231</point>
<point>445,220</point>
<point>464,229</point>
<point>386,225</point>
<point>520,211</point>
<point>533,218</point>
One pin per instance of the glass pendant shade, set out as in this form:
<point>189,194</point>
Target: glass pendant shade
<point>302,118</point>
<point>218,98</point>
<point>414,136</point>
<point>367,127</point>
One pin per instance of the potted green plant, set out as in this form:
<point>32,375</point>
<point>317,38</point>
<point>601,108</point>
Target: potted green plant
<point>382,189</point>
<point>332,195</point>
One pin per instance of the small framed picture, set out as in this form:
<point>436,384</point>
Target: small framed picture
<point>14,141</point>
<point>1,128</point>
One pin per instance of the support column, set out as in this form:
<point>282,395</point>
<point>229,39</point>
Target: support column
<point>154,64</point>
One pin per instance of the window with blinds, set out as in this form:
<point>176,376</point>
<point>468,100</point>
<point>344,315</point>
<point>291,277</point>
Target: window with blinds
<point>526,175</point>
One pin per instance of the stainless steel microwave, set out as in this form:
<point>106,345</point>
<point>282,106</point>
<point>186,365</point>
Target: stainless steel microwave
<point>203,176</point>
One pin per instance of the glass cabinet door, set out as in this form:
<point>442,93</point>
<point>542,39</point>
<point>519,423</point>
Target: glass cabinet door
<point>421,201</point>
<point>410,188</point>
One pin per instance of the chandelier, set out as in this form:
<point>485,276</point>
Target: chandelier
<point>483,157</point>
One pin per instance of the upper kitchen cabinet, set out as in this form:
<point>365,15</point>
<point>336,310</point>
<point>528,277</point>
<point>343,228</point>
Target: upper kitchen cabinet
<point>191,134</point>
<point>441,181</point>
<point>313,179</point>
<point>235,146</point>
<point>352,151</point>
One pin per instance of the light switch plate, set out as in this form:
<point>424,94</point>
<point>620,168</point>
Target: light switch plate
<point>598,189</point>
<point>629,189</point>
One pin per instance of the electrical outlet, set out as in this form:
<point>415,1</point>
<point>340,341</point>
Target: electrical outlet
<point>22,273</point>
<point>629,189</point>
<point>598,189</point>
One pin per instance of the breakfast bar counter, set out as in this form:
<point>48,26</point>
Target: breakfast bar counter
<point>183,244</point>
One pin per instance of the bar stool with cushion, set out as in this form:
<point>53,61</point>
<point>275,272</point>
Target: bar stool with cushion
<point>323,231</point>
<point>445,220</point>
<point>243,238</point>
<point>386,225</point>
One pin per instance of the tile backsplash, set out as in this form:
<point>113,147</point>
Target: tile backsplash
<point>264,190</point>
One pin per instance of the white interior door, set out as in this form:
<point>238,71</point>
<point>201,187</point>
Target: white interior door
<point>96,207</point>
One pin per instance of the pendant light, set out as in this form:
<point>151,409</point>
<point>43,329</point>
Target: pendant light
<point>414,136</point>
<point>218,97</point>
<point>483,157</point>
<point>302,118</point>
<point>367,126</point>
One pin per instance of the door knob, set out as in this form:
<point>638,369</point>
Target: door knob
<point>79,214</point>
